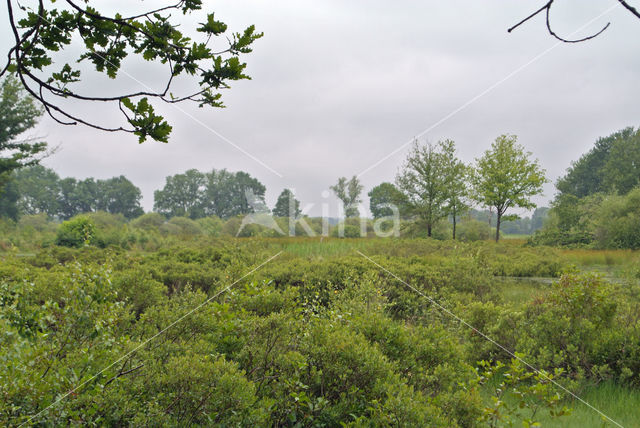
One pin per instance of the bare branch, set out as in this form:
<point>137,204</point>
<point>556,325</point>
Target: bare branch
<point>630,8</point>
<point>571,41</point>
<point>547,9</point>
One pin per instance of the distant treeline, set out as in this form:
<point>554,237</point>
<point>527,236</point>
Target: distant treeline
<point>193,194</point>
<point>39,190</point>
<point>521,226</point>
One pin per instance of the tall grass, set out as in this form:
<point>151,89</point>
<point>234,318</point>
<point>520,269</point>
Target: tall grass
<point>620,403</point>
<point>583,257</point>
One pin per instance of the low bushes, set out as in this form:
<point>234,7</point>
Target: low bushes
<point>303,341</point>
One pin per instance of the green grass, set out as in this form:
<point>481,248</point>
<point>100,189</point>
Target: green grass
<point>323,246</point>
<point>523,236</point>
<point>583,257</point>
<point>617,402</point>
<point>518,292</point>
<point>620,403</point>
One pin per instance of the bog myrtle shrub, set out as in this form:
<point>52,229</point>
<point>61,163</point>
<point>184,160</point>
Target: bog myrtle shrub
<point>77,232</point>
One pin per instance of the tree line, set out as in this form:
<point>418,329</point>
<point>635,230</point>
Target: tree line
<point>37,189</point>
<point>432,185</point>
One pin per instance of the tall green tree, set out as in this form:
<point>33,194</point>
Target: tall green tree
<point>182,195</point>
<point>42,191</point>
<point>621,173</point>
<point>538,218</point>
<point>505,177</point>
<point>457,183</point>
<point>106,42</point>
<point>348,191</point>
<point>220,192</point>
<point>287,205</point>
<point>384,195</point>
<point>18,114</point>
<point>39,190</point>
<point>9,197</point>
<point>118,195</point>
<point>423,179</point>
<point>611,165</point>
<point>229,194</point>
<point>68,202</point>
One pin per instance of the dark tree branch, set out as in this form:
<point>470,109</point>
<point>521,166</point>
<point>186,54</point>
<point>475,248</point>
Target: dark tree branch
<point>122,373</point>
<point>584,39</point>
<point>630,8</point>
<point>546,6</point>
<point>547,10</point>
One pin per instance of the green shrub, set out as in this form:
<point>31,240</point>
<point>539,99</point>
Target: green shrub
<point>148,221</point>
<point>211,226</point>
<point>474,230</point>
<point>77,232</point>
<point>346,231</point>
<point>183,226</point>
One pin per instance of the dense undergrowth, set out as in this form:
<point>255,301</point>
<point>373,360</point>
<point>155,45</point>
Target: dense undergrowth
<point>319,336</point>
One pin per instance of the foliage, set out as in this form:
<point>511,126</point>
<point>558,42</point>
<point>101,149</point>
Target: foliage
<point>108,41</point>
<point>181,195</point>
<point>474,230</point>
<point>41,190</point>
<point>9,197</point>
<point>424,181</point>
<point>348,191</point>
<point>505,178</point>
<point>287,205</point>
<point>221,193</point>
<point>18,113</point>
<point>319,336</point>
<point>456,175</point>
<point>598,220</point>
<point>520,395</point>
<point>610,166</point>
<point>184,225</point>
<point>148,221</point>
<point>76,232</point>
<point>382,197</point>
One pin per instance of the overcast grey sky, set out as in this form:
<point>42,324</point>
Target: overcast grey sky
<point>338,85</point>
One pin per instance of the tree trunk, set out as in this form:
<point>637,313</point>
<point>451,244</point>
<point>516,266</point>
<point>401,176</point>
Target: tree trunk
<point>498,218</point>
<point>454,223</point>
<point>454,227</point>
<point>429,230</point>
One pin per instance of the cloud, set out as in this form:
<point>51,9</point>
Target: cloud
<point>339,85</point>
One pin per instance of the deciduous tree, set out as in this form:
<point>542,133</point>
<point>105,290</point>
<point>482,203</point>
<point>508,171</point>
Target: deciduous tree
<point>348,191</point>
<point>39,190</point>
<point>182,195</point>
<point>118,195</point>
<point>423,179</point>
<point>220,192</point>
<point>384,195</point>
<point>505,177</point>
<point>18,113</point>
<point>228,194</point>
<point>456,177</point>
<point>287,205</point>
